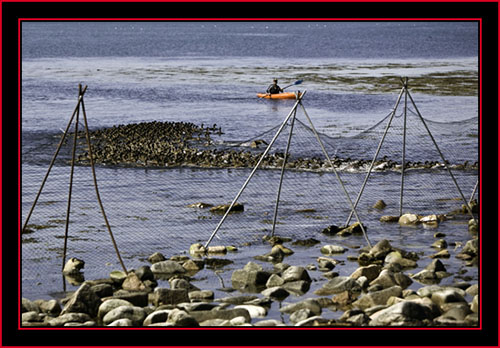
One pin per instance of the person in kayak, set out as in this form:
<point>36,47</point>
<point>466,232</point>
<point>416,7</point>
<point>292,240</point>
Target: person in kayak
<point>274,88</point>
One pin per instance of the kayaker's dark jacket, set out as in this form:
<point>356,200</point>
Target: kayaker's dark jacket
<point>274,89</point>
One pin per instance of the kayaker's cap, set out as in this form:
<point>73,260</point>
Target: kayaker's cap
<point>275,80</point>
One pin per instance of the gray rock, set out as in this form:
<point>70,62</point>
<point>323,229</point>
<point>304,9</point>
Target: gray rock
<point>332,249</point>
<point>274,280</point>
<point>226,314</point>
<point>446,296</point>
<point>253,311</point>
<point>109,305</point>
<point>135,314</point>
<point>370,272</point>
<point>314,321</point>
<point>338,285</point>
<point>236,300</point>
<point>276,292</point>
<point>201,295</point>
<point>28,306</point>
<point>156,257</point>
<point>31,317</point>
<point>269,322</point>
<point>170,296</point>
<point>69,318</point>
<point>250,280</point>
<point>137,298</point>
<point>180,318</point>
<point>167,267</point>
<point>300,315</point>
<point>181,283</point>
<point>159,316</point>
<point>402,313</point>
<point>298,287</point>
<point>310,304</point>
<point>294,273</point>
<point>125,322</point>
<point>103,290</point>
<point>378,297</point>
<point>84,300</point>
<point>51,307</point>
<point>381,249</point>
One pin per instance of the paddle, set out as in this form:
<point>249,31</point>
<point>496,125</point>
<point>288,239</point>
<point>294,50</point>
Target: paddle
<point>298,82</point>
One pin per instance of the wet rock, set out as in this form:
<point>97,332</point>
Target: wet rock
<point>403,313</point>
<point>311,304</point>
<point>156,257</point>
<point>29,317</point>
<point>223,208</point>
<point>28,306</point>
<point>250,277</point>
<point>306,242</point>
<point>84,300</point>
<point>69,318</point>
<point>332,249</point>
<point>170,296</point>
<point>300,315</point>
<point>389,218</point>
<point>338,285</point>
<point>377,297</point>
<point>449,295</point>
<point>409,219</point>
<point>253,311</point>
<point>137,298</point>
<point>236,300</point>
<point>331,230</point>
<point>380,204</point>
<point>73,266</point>
<point>275,255</point>
<point>50,307</point>
<point>167,267</point>
<point>225,314</point>
<point>200,205</point>
<point>109,305</point>
<point>443,254</point>
<point>135,314</point>
<point>118,277</point>
<point>440,244</point>
<point>178,317</point>
<point>201,295</point>
<point>294,273</point>
<point>298,287</point>
<point>370,272</point>
<point>133,283</point>
<point>274,280</point>
<point>275,292</point>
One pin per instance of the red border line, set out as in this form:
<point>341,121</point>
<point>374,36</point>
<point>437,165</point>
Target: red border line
<point>252,19</point>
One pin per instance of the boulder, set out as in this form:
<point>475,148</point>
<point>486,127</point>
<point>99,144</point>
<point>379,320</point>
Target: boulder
<point>370,272</point>
<point>69,318</point>
<point>156,257</point>
<point>444,296</point>
<point>311,304</point>
<point>378,297</point>
<point>137,298</point>
<point>276,292</point>
<point>401,314</point>
<point>380,204</point>
<point>108,305</point>
<point>408,219</point>
<point>294,273</point>
<point>254,311</point>
<point>178,317</point>
<point>223,208</point>
<point>84,300</point>
<point>73,265</point>
<point>133,283</point>
<point>225,314</point>
<point>135,314</point>
<point>170,296</point>
<point>338,285</point>
<point>333,249</point>
<point>167,267</point>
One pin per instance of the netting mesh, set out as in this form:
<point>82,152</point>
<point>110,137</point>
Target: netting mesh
<point>149,208</point>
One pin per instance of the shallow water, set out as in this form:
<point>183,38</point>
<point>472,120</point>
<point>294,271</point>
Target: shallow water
<point>213,79</point>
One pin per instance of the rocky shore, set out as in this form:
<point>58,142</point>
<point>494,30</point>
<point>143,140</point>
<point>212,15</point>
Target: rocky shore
<point>376,294</point>
<point>175,144</point>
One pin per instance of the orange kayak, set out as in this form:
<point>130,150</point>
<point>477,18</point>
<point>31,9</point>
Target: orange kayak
<point>285,95</point>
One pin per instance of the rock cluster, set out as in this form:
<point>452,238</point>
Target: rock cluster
<point>376,294</point>
<point>173,144</point>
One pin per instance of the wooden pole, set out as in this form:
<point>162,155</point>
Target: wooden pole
<point>54,158</point>
<point>87,136</point>
<point>283,172</point>
<point>71,180</point>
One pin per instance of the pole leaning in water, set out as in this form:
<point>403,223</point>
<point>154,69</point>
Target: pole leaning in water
<point>255,169</point>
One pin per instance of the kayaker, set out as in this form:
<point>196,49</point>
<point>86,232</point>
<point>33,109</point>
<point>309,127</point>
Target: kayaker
<point>274,88</point>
